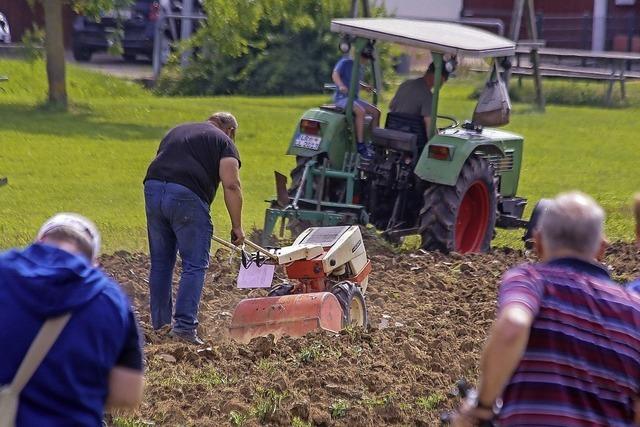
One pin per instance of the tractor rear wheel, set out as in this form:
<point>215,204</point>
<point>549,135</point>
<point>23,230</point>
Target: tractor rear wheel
<point>461,218</point>
<point>354,309</point>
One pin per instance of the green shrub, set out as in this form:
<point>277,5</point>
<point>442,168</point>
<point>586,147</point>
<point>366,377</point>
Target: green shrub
<point>290,54</point>
<point>33,42</point>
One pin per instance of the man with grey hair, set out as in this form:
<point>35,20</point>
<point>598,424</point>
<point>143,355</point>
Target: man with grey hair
<point>179,188</point>
<point>565,347</point>
<point>96,360</point>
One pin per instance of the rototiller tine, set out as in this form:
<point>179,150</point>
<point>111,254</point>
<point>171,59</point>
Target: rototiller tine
<point>327,271</point>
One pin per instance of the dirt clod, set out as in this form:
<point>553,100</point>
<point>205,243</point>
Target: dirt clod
<point>430,314</point>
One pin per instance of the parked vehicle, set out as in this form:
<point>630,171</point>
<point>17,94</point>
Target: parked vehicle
<point>5,33</point>
<point>138,24</point>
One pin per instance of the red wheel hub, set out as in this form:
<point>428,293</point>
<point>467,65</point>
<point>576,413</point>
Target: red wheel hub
<point>473,218</point>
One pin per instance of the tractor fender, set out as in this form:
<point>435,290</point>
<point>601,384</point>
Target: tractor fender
<point>446,171</point>
<point>334,137</point>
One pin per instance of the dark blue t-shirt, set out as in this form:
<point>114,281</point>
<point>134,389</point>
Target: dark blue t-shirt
<point>344,68</point>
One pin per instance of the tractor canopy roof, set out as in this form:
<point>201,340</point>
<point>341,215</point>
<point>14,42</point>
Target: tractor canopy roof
<point>437,36</point>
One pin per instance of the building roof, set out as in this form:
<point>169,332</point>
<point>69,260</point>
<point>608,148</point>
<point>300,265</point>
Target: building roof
<point>442,37</point>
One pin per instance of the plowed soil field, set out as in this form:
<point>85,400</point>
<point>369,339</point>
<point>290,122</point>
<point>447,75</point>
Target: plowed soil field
<point>429,316</point>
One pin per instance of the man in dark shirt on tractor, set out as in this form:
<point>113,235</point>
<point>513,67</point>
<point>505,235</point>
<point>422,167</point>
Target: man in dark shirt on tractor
<point>414,96</point>
<point>565,347</point>
<point>180,185</point>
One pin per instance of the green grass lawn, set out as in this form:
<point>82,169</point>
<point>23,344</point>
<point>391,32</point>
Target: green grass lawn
<point>93,159</point>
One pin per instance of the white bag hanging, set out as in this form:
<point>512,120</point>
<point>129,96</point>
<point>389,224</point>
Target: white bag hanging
<point>494,105</point>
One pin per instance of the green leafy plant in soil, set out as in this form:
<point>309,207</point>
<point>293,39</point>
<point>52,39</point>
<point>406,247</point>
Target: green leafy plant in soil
<point>430,402</point>
<point>339,408</point>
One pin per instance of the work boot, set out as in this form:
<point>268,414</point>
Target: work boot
<point>191,338</point>
<point>366,153</point>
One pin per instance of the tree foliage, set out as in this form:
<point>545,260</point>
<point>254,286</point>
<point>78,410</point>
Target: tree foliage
<point>260,47</point>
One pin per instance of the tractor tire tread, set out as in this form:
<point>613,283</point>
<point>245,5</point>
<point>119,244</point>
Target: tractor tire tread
<point>440,203</point>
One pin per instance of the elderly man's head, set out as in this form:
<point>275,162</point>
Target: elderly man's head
<point>571,225</point>
<point>73,233</point>
<point>226,122</point>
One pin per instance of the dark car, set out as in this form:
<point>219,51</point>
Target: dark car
<point>138,23</point>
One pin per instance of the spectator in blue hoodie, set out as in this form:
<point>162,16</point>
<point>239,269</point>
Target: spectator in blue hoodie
<point>97,359</point>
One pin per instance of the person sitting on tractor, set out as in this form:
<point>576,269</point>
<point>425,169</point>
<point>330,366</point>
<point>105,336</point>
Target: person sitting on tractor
<point>342,77</point>
<point>414,96</point>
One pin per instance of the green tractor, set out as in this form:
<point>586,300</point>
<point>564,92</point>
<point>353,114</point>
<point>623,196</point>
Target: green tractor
<point>452,186</point>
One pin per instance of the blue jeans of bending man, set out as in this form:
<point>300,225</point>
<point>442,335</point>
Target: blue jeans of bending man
<point>178,221</point>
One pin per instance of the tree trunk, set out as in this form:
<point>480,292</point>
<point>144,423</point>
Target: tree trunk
<point>54,46</point>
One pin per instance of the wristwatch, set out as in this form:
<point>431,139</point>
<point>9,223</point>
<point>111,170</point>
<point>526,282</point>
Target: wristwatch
<point>474,402</point>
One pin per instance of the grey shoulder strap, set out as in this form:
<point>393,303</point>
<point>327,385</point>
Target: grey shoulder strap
<point>44,340</point>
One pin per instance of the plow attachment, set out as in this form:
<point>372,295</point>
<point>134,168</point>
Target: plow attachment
<point>291,315</point>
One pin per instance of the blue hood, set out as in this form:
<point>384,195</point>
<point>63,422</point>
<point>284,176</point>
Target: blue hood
<point>47,280</point>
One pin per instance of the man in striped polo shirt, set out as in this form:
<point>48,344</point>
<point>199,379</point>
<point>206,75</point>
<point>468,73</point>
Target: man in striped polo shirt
<point>565,347</point>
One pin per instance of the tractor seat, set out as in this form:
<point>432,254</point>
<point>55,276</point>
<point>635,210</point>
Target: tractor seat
<point>396,140</point>
<point>409,123</point>
<point>332,107</point>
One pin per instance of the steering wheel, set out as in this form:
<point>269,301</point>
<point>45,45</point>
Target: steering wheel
<point>453,120</point>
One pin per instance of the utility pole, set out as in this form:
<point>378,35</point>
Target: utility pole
<point>520,8</point>
<point>366,13</point>
<point>186,29</point>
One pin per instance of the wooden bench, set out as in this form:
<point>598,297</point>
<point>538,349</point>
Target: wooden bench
<point>617,70</point>
<point>573,72</point>
<point>578,73</point>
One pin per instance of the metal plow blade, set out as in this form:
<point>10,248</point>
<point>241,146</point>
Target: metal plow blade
<point>291,315</point>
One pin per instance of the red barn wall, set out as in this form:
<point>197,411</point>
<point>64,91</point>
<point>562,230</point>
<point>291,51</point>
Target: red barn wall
<point>21,17</point>
<point>568,23</point>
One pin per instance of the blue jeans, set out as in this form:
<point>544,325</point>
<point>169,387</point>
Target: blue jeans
<point>177,221</point>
